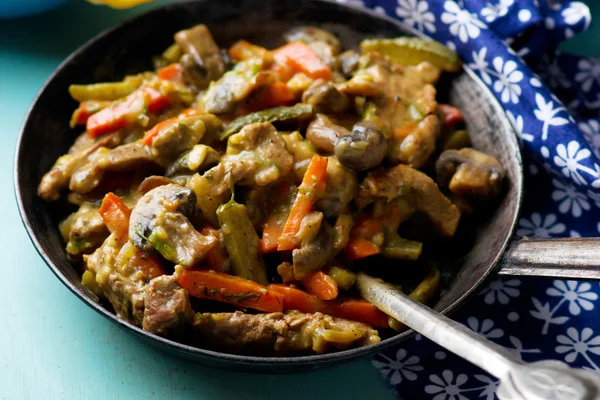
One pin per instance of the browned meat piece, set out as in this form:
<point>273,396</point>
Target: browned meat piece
<point>340,189</point>
<point>261,144</point>
<point>178,136</point>
<point>418,145</point>
<point>121,286</point>
<point>160,221</point>
<point>123,158</point>
<point>315,253</point>
<point>235,86</point>
<point>57,179</point>
<point>364,149</point>
<point>470,175</point>
<point>302,150</point>
<point>417,190</point>
<point>324,133</point>
<point>325,97</point>
<point>167,309</point>
<point>84,230</point>
<point>281,333</point>
<point>199,45</point>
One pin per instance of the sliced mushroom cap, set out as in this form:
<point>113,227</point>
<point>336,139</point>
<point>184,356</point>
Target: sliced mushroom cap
<point>160,221</point>
<point>418,190</point>
<point>470,174</point>
<point>199,46</point>
<point>324,133</point>
<point>315,254</point>
<point>349,62</point>
<point>365,149</point>
<point>151,208</point>
<point>325,97</point>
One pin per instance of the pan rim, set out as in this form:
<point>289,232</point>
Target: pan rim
<point>254,361</point>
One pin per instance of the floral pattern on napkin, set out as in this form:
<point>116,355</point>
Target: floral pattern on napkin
<point>553,102</point>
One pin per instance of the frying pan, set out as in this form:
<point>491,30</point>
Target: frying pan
<point>129,47</point>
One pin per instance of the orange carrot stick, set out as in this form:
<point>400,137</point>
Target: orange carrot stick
<point>302,58</point>
<point>312,183</point>
<point>321,285</point>
<point>354,309</point>
<point>231,289</point>
<point>115,215</point>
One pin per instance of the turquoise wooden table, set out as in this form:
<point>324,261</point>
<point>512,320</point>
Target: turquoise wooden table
<point>54,347</point>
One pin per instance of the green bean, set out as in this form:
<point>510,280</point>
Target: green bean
<point>241,242</point>
<point>342,276</point>
<point>299,111</point>
<point>399,248</point>
<point>105,91</point>
<point>413,51</point>
<point>456,140</point>
<point>427,288</point>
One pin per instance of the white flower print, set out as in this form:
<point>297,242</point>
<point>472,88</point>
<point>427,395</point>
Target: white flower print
<point>501,290</point>
<point>479,64</point>
<point>547,114</point>
<point>517,123</point>
<point>489,390</point>
<point>579,295</point>
<point>574,344</point>
<point>492,11</point>
<point>589,72</point>
<point>402,367</point>
<point>461,22</point>
<point>538,226</point>
<point>518,349</point>
<point>553,74</point>
<point>417,14</point>
<point>486,328</point>
<point>591,131</point>
<point>543,312</point>
<point>569,199</point>
<point>508,80</point>
<point>447,388</point>
<point>575,12</point>
<point>568,158</point>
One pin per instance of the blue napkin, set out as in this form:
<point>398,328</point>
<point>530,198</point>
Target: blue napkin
<point>553,102</point>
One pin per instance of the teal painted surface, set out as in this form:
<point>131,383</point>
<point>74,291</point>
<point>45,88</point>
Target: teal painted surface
<point>52,347</point>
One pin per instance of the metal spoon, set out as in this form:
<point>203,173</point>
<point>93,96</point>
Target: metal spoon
<point>542,380</point>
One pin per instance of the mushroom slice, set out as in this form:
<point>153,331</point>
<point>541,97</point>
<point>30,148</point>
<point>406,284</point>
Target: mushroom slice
<point>324,133</point>
<point>365,149</point>
<point>325,97</point>
<point>418,190</point>
<point>470,174</point>
<point>160,221</point>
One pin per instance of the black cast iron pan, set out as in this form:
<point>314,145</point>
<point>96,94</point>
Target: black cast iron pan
<point>129,47</point>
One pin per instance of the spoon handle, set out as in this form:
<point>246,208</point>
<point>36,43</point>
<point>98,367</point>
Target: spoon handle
<point>542,380</point>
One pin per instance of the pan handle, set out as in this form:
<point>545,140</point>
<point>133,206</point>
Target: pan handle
<point>564,258</point>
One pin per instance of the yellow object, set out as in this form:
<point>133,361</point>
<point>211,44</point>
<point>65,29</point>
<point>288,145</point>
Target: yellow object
<point>120,4</point>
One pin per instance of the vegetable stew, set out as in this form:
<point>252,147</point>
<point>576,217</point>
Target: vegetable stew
<point>228,197</point>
